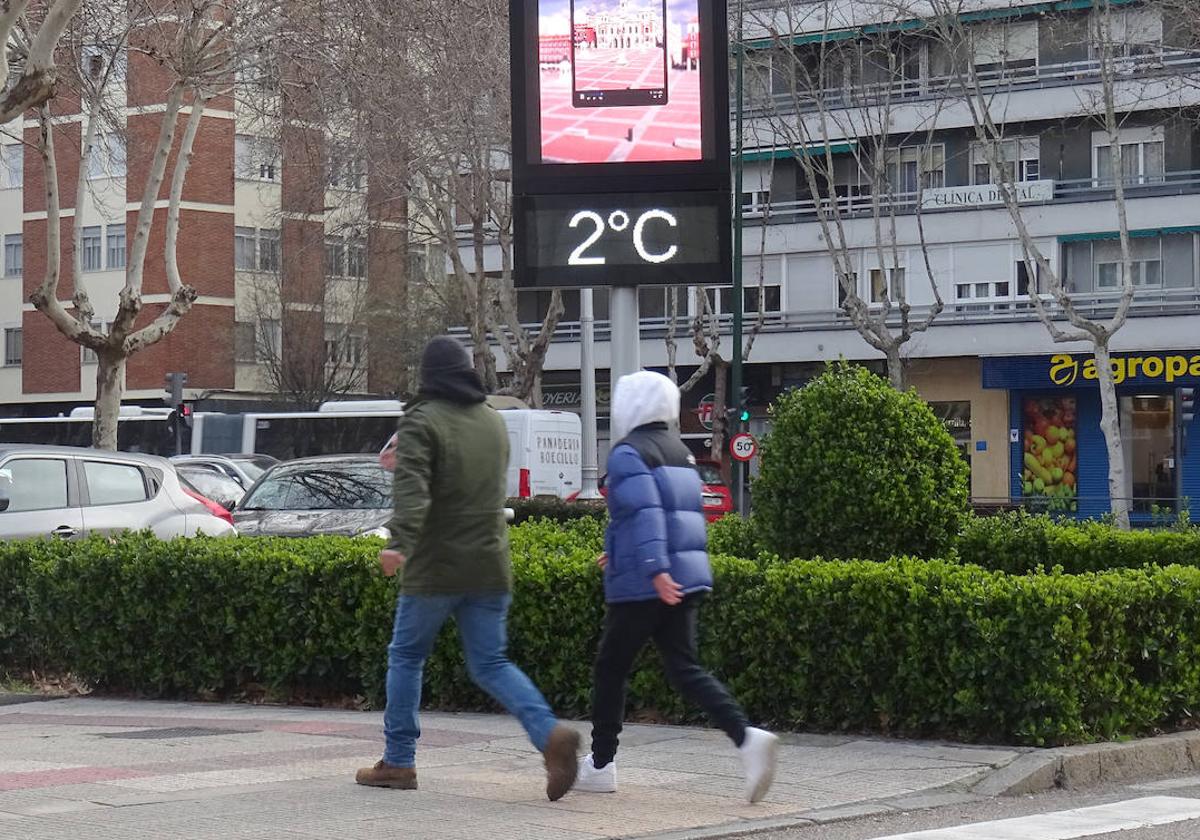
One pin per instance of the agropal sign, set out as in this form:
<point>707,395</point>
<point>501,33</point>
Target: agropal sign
<point>1170,368</point>
<point>984,195</point>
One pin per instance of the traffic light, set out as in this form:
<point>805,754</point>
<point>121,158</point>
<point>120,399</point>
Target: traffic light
<point>174,389</point>
<point>1187,405</point>
<point>186,414</point>
<point>743,405</point>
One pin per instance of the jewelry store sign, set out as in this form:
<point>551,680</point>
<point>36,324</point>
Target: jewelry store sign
<point>984,195</point>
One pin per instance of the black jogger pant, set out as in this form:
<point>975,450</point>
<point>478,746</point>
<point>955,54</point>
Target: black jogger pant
<point>627,628</point>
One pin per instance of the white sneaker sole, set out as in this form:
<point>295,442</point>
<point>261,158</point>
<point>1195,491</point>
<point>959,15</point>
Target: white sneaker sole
<point>586,788</point>
<point>759,791</point>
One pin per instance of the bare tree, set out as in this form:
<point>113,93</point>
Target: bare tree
<point>29,39</point>
<point>1105,100</point>
<point>831,105</point>
<point>194,46</point>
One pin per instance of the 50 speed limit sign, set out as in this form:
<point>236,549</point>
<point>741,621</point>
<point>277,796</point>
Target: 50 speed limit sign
<point>743,446</point>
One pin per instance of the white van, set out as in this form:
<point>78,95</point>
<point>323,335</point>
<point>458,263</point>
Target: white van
<point>545,457</point>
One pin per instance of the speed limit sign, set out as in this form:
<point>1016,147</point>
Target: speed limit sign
<point>743,446</point>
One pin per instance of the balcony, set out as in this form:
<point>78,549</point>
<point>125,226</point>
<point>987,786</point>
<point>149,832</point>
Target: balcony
<point>1147,303</point>
<point>1171,62</point>
<point>857,203</point>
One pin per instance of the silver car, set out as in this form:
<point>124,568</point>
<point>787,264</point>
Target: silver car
<point>71,492</point>
<point>244,469</point>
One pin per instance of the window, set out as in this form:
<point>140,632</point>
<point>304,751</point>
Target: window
<point>244,343</point>
<point>1018,160</point>
<point>13,347</point>
<point>1129,32</point>
<point>911,168</point>
<point>14,255</point>
<point>35,484</point>
<point>268,250</point>
<point>1141,153</point>
<point>1023,278</point>
<point>887,282</point>
<point>1004,50</point>
<point>721,300</point>
<point>114,484</point>
<point>1142,273</point>
<point>269,340</point>
<point>255,158</point>
<point>344,346</point>
<point>356,258</point>
<point>116,246</point>
<point>243,248</point>
<point>12,166</point>
<point>91,254</point>
<point>335,257</point>
<point>418,261</point>
<point>108,157</point>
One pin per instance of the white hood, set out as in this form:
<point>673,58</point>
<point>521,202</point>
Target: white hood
<point>641,398</point>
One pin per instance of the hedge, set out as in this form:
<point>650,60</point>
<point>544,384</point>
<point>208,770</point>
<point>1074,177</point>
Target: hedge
<point>1018,542</point>
<point>558,510</point>
<point>907,646</point>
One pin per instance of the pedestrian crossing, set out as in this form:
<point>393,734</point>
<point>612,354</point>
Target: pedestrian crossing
<point>1095,821</point>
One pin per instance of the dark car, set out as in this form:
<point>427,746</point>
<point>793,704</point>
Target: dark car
<point>346,495</point>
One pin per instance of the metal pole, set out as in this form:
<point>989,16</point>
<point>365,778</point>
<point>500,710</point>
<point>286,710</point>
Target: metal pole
<point>587,386</point>
<point>624,338</point>
<point>739,468</point>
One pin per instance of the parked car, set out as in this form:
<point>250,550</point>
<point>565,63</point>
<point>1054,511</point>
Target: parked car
<point>245,469</point>
<point>73,492</point>
<point>347,495</point>
<point>718,501</point>
<point>212,483</point>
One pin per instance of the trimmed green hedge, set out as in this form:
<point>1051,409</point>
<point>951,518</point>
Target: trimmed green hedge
<point>907,646</point>
<point>1019,542</point>
<point>558,510</point>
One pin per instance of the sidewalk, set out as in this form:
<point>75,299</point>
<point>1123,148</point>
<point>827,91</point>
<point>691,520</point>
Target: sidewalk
<point>100,768</point>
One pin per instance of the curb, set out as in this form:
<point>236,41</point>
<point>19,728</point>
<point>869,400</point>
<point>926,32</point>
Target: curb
<point>1092,764</point>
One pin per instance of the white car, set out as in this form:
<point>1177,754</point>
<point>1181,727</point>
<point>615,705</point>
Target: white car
<point>72,492</point>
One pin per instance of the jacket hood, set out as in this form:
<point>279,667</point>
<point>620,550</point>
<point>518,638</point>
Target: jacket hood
<point>447,373</point>
<point>641,398</point>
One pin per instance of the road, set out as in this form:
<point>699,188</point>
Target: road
<point>1112,813</point>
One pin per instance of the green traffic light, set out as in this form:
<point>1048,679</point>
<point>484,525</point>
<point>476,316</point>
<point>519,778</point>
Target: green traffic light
<point>745,415</point>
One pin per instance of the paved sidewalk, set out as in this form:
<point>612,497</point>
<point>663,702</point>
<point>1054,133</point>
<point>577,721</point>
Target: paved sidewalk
<point>101,768</point>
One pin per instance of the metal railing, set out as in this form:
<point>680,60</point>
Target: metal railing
<point>1147,302</point>
<point>1166,63</point>
<point>857,202</point>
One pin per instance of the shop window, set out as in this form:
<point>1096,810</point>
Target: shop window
<point>956,416</point>
<point>1148,436</point>
<point>1050,461</point>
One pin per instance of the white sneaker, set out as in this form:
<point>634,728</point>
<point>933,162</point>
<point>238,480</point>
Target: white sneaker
<point>593,780</point>
<point>759,753</point>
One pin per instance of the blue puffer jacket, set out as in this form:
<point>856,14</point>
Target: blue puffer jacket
<point>656,517</point>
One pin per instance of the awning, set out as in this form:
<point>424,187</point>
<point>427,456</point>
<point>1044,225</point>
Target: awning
<point>1141,233</point>
<point>787,152</point>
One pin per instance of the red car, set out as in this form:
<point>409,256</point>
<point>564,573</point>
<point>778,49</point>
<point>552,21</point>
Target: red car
<point>718,501</point>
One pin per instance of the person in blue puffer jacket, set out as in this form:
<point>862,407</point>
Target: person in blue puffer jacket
<point>656,574</point>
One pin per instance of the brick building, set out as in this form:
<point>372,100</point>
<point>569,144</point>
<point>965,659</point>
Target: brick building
<point>275,236</point>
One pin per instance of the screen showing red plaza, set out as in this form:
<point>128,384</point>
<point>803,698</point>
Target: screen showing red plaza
<point>619,80</point>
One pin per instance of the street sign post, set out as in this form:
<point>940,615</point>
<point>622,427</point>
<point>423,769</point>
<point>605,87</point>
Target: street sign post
<point>743,447</point>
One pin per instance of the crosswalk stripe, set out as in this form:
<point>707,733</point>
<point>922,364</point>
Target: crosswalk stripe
<point>1066,825</point>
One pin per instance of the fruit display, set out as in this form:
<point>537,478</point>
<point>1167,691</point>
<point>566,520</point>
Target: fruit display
<point>1050,465</point>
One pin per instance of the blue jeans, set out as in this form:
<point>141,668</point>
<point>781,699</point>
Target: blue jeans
<point>482,626</point>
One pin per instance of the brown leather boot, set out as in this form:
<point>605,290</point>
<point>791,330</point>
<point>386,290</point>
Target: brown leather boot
<point>385,775</point>
<point>562,761</point>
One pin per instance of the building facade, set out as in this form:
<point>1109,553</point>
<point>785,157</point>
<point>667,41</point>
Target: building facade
<point>1007,391</point>
<point>292,245</point>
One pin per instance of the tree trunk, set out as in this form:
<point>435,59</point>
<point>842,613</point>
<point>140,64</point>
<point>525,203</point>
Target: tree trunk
<point>895,367</point>
<point>720,399</point>
<point>110,387</point>
<point>1110,425</point>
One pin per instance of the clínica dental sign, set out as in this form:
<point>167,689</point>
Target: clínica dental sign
<point>984,195</point>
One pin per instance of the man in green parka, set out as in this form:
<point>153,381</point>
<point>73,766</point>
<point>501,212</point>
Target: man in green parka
<point>450,538</point>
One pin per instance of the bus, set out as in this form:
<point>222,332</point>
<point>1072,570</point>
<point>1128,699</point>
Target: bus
<point>138,430</point>
<point>334,429</point>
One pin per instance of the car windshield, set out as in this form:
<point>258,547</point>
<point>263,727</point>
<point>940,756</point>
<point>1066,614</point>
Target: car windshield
<point>254,465</point>
<point>358,486</point>
<point>710,473</point>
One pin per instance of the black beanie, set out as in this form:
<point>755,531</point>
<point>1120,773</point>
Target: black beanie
<point>447,372</point>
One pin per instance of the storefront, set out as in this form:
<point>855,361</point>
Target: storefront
<point>1059,460</point>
